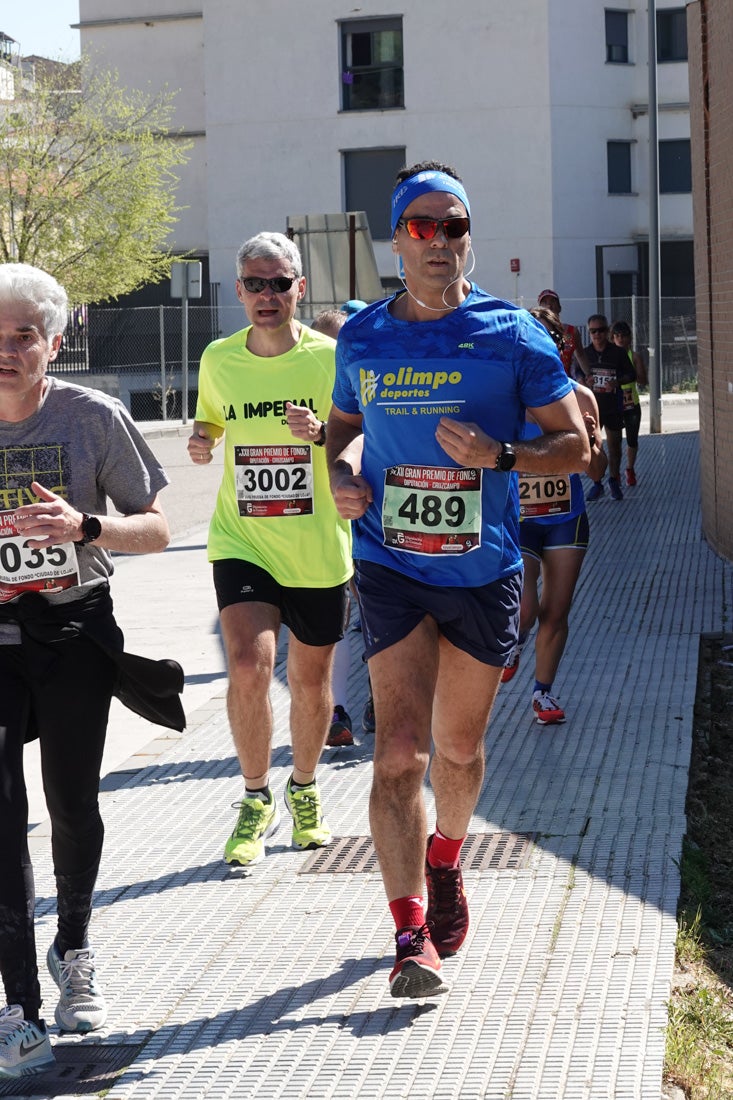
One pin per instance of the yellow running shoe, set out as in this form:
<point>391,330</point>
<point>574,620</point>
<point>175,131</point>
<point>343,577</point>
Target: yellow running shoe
<point>309,828</point>
<point>257,820</point>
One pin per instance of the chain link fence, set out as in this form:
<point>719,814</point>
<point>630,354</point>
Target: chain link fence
<point>136,353</point>
<point>677,335</point>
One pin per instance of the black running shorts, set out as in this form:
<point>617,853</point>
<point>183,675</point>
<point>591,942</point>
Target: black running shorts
<point>316,616</point>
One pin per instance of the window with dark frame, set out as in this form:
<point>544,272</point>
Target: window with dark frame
<point>372,76</point>
<point>618,156</point>
<point>672,35</point>
<point>369,178</point>
<point>675,167</point>
<point>617,37</point>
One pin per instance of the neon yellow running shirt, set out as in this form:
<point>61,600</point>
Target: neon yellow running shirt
<point>630,390</point>
<point>274,507</point>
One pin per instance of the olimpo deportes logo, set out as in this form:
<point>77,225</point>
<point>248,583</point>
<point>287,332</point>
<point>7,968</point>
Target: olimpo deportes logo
<point>406,384</point>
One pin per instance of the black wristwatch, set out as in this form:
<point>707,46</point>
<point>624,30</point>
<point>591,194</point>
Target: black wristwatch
<point>506,459</point>
<point>91,529</point>
<point>321,437</point>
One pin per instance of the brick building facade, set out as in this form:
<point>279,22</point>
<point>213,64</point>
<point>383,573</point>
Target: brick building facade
<point>710,39</point>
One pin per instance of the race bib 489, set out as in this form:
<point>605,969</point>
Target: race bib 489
<point>432,509</point>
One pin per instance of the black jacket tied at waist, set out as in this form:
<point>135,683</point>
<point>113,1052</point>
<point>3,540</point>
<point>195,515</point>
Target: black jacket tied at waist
<point>150,688</point>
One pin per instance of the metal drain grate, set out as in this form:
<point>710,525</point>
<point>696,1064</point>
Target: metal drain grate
<point>81,1069</point>
<point>481,852</point>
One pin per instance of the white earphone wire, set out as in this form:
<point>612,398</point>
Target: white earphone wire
<point>434,309</point>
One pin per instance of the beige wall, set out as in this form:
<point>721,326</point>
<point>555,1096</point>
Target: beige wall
<point>710,37</point>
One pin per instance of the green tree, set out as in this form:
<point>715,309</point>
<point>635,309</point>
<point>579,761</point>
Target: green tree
<point>87,183</point>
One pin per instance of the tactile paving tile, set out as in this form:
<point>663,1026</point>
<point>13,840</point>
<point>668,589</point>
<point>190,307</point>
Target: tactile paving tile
<point>269,983</point>
<point>480,852</point>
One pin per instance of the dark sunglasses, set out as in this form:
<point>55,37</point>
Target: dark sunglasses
<point>424,229</point>
<point>280,284</point>
<point>596,331</point>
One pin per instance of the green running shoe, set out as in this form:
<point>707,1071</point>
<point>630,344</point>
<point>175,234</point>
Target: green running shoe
<point>309,828</point>
<point>257,820</point>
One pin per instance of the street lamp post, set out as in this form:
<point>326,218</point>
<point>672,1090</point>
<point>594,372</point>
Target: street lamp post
<point>654,349</point>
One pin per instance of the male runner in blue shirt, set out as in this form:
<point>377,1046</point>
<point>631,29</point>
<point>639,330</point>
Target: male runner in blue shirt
<point>430,397</point>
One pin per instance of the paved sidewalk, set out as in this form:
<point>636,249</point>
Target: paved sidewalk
<point>272,982</point>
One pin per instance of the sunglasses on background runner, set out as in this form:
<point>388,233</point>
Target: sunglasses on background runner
<point>597,331</point>
<point>424,229</point>
<point>281,284</point>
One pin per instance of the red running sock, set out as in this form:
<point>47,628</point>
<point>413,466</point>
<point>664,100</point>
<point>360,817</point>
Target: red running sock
<point>444,852</point>
<point>407,912</point>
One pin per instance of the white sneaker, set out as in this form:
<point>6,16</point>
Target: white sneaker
<point>510,668</point>
<point>24,1046</point>
<point>81,1005</point>
<point>546,708</point>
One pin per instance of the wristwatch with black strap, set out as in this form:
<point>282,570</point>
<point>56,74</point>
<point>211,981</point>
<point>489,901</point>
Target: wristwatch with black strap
<point>321,437</point>
<point>91,529</point>
<point>506,458</point>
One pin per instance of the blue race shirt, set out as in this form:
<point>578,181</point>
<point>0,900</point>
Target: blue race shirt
<point>484,363</point>
<point>549,499</point>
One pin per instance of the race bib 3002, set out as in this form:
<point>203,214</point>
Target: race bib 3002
<point>274,481</point>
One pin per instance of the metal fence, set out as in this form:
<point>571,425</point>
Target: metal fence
<point>677,336</point>
<point>136,353</point>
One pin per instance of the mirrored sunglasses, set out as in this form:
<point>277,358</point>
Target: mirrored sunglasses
<point>424,229</point>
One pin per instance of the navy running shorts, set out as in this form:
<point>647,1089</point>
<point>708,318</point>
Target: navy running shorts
<point>316,616</point>
<point>482,622</point>
<point>535,538</point>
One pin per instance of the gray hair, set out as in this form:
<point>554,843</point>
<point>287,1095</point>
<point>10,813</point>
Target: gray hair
<point>27,284</point>
<point>270,246</point>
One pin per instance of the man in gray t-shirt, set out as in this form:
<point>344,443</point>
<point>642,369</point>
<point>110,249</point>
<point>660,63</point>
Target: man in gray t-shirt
<point>64,452</point>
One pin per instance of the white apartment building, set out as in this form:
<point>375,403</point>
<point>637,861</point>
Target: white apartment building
<point>311,106</point>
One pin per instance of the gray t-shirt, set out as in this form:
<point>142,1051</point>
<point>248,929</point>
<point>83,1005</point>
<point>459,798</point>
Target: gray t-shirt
<point>84,446</point>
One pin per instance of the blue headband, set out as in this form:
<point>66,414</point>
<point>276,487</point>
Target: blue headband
<point>411,189</point>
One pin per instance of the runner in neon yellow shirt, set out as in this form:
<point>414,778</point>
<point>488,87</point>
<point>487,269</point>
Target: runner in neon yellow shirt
<point>621,336</point>
<point>280,553</point>
<point>274,507</point>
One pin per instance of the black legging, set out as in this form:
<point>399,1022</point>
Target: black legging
<point>65,702</point>
<point>632,423</point>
